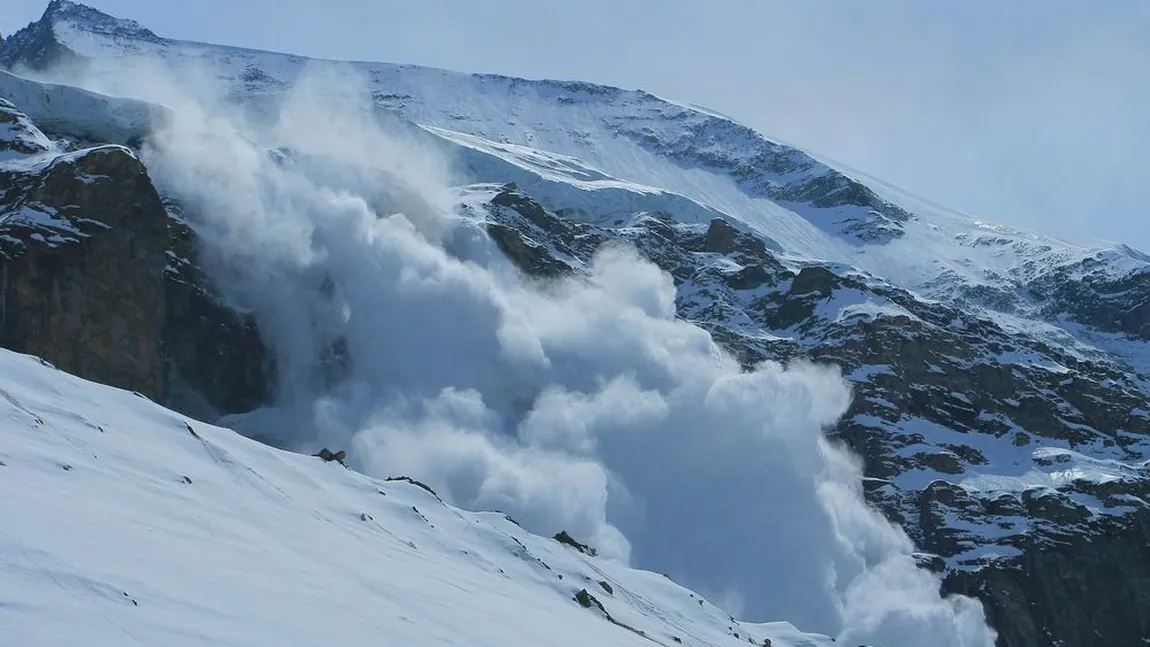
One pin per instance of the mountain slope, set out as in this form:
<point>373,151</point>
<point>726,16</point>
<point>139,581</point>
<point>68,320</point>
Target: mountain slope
<point>124,521</point>
<point>539,480</point>
<point>654,148</point>
<point>642,141</point>
<point>1001,377</point>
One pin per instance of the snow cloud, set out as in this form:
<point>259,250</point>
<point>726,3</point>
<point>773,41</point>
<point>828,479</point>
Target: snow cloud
<point>582,405</point>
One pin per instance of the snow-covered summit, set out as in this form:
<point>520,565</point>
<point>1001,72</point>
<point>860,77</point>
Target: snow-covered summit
<point>63,14</point>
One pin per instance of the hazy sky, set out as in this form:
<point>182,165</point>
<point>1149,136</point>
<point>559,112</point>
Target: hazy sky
<point>1029,112</point>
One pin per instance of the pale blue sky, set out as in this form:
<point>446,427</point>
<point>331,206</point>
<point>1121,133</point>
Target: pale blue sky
<point>1029,112</point>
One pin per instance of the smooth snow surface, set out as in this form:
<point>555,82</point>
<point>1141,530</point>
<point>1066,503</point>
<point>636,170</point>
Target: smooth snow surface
<point>123,523</point>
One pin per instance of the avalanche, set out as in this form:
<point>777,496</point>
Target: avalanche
<point>583,405</point>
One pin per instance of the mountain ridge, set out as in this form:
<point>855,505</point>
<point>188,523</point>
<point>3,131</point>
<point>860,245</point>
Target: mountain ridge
<point>977,383</point>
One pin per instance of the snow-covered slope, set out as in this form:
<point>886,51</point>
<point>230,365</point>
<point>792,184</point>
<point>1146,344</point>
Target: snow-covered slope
<point>1001,377</point>
<point>79,113</point>
<point>632,136</point>
<point>654,154</point>
<point>124,522</point>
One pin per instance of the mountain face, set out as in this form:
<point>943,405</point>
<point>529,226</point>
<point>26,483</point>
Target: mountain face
<point>1001,378</point>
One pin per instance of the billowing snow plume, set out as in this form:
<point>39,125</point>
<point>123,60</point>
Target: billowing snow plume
<point>404,336</point>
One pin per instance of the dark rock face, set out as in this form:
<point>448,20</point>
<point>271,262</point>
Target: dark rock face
<point>722,238</point>
<point>538,242</point>
<point>1108,303</point>
<point>99,278</point>
<point>209,349</point>
<point>1092,591</point>
<point>89,295</point>
<point>529,256</point>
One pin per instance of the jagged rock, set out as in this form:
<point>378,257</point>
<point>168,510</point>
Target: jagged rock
<point>423,486</point>
<point>1086,292</point>
<point>36,46</point>
<point>529,256</point>
<point>1086,591</point>
<point>585,599</point>
<point>329,456</point>
<point>215,357</point>
<point>518,223</point>
<point>720,237</point>
<point>564,537</point>
<point>723,238</point>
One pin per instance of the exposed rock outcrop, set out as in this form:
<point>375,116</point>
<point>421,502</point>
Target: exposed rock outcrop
<point>1092,590</point>
<point>97,277</point>
<point>214,355</point>
<point>83,247</point>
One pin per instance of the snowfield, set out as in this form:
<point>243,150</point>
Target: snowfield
<point>125,523</point>
<point>394,232</point>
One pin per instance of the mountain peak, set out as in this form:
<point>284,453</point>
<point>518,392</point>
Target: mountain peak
<point>93,20</point>
<point>41,45</point>
<point>58,6</point>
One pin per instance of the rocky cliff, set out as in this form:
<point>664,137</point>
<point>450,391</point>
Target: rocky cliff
<point>99,277</point>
